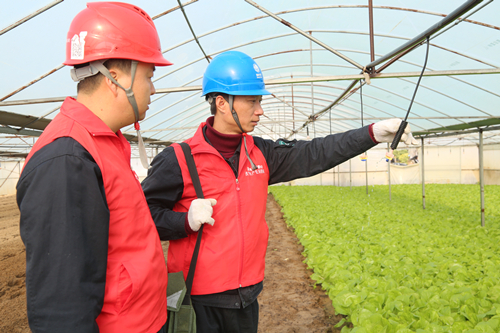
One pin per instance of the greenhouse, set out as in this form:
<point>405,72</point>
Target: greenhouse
<point>400,239</point>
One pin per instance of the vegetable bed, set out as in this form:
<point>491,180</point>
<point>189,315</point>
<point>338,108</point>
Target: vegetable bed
<point>391,266</point>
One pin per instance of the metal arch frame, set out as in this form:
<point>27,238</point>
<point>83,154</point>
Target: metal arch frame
<point>357,102</point>
<point>264,103</point>
<point>265,39</point>
<point>30,16</point>
<point>286,35</point>
<point>300,103</point>
<point>447,96</point>
<point>192,31</point>
<point>198,107</point>
<point>277,122</point>
<point>410,45</point>
<point>322,8</point>
<point>344,119</point>
<point>312,8</point>
<point>186,65</point>
<point>288,51</point>
<point>364,6</point>
<point>62,65</point>
<point>350,77</point>
<point>347,109</point>
<point>309,36</point>
<point>356,111</point>
<point>302,98</point>
<point>448,19</point>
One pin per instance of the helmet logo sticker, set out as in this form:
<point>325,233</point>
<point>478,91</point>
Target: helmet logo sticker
<point>257,69</point>
<point>78,46</point>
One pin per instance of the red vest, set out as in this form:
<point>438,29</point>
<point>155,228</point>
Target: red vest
<point>233,250</point>
<point>135,255</point>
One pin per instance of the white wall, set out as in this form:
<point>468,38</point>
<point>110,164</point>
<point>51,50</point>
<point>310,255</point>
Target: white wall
<point>443,165</point>
<point>9,175</point>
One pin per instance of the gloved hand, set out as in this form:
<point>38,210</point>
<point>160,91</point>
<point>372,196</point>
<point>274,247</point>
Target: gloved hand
<point>385,130</point>
<point>200,212</point>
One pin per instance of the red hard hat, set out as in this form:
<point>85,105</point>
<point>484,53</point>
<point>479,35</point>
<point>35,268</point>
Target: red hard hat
<point>113,30</point>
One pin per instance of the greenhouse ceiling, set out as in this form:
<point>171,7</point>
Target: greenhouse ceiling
<point>312,54</point>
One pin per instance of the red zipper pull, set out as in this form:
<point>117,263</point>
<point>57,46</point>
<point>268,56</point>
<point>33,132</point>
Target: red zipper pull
<point>237,185</point>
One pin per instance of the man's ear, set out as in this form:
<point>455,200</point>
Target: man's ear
<point>221,104</point>
<point>110,85</point>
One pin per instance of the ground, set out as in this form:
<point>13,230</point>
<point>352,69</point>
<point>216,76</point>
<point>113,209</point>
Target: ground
<point>289,302</point>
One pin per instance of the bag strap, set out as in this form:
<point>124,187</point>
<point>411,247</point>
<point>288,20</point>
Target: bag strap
<point>199,193</point>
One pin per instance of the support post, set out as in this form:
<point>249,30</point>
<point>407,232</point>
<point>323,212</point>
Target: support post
<point>366,172</point>
<point>481,174</point>
<point>423,174</point>
<point>338,171</point>
<point>372,43</point>
<point>312,84</point>
<point>293,108</point>
<point>350,175</point>
<point>389,172</point>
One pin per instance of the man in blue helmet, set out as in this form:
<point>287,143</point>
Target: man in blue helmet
<point>235,170</point>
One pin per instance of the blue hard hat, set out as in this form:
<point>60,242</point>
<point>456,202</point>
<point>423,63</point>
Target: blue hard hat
<point>234,73</point>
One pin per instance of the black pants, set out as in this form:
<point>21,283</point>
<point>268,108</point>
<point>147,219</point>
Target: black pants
<point>163,329</point>
<point>219,320</point>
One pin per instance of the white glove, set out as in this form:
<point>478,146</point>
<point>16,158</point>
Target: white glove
<point>385,131</point>
<point>200,212</point>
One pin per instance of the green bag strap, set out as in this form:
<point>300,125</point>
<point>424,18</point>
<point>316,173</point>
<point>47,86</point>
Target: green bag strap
<point>199,193</point>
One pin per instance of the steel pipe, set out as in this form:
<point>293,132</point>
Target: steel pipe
<point>433,29</point>
<point>30,16</point>
<point>290,81</point>
<point>317,41</point>
<point>423,173</point>
<point>481,174</point>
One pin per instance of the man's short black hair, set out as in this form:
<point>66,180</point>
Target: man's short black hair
<point>213,96</point>
<point>91,83</point>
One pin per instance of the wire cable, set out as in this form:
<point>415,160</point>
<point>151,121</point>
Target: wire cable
<point>404,123</point>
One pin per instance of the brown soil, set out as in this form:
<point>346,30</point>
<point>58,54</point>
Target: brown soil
<point>289,302</point>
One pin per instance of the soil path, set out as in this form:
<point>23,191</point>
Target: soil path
<point>289,303</point>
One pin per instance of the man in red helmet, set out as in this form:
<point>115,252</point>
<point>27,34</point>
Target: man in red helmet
<point>235,170</point>
<point>94,262</point>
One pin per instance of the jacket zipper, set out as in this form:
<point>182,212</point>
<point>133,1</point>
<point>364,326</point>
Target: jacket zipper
<point>241,231</point>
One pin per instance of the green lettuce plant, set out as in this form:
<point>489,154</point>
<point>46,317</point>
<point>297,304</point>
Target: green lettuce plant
<point>391,266</point>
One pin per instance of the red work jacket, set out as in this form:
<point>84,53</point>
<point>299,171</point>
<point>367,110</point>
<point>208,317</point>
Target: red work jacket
<point>135,255</point>
<point>232,251</point>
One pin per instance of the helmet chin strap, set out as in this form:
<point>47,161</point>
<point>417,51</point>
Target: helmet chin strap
<point>99,65</point>
<point>237,120</point>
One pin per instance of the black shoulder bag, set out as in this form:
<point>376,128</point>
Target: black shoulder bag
<point>181,315</point>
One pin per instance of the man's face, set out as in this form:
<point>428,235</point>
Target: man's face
<point>143,88</point>
<point>249,111</point>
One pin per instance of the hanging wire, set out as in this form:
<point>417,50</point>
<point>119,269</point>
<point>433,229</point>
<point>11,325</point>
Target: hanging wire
<point>404,123</point>
<point>420,78</point>
<point>361,99</point>
<point>192,31</point>
<point>330,121</point>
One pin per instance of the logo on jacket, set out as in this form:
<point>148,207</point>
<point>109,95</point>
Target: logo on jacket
<point>259,170</point>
